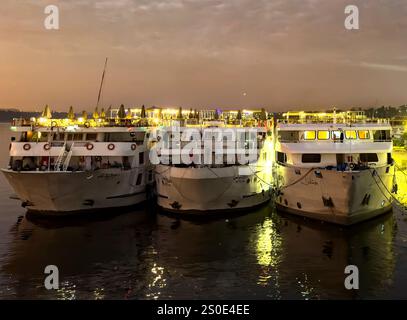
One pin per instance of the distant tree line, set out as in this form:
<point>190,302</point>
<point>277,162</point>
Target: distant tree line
<point>6,115</point>
<point>389,112</point>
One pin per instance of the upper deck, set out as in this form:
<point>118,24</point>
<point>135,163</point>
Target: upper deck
<point>345,132</point>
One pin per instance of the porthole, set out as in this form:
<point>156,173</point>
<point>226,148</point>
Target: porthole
<point>299,205</point>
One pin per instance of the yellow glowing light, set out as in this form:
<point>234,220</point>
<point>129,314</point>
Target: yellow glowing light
<point>350,134</point>
<point>323,135</point>
<point>268,244</point>
<point>309,135</point>
<point>42,120</point>
<point>364,134</point>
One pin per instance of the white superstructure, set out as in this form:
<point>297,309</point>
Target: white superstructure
<point>227,182</point>
<point>61,166</point>
<point>334,167</point>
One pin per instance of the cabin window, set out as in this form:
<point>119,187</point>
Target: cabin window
<point>336,135</point>
<point>139,179</point>
<point>381,135</point>
<point>281,157</point>
<point>77,137</point>
<point>364,134</point>
<point>43,136</point>
<point>287,136</point>
<point>309,135</point>
<point>91,136</point>
<point>323,135</point>
<point>141,157</point>
<point>350,134</point>
<point>311,158</point>
<point>58,137</point>
<point>368,157</point>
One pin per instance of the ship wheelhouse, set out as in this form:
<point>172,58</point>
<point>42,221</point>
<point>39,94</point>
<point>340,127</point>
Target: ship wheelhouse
<point>341,147</point>
<point>77,149</point>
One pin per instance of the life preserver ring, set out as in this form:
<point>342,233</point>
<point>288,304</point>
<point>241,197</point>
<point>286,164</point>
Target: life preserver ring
<point>133,146</point>
<point>352,166</point>
<point>89,146</point>
<point>27,146</point>
<point>111,146</point>
<point>47,146</point>
<point>53,124</point>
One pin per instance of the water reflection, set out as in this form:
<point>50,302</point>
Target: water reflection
<point>140,255</point>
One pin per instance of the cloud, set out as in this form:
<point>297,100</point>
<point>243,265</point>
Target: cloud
<point>284,52</point>
<point>386,67</point>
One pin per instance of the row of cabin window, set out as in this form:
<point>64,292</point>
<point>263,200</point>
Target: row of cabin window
<point>108,136</point>
<point>336,135</point>
<point>316,157</point>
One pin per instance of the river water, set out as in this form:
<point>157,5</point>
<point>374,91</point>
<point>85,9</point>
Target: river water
<point>145,255</point>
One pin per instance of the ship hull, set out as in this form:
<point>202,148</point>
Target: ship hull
<point>202,191</point>
<point>65,193</point>
<point>334,196</point>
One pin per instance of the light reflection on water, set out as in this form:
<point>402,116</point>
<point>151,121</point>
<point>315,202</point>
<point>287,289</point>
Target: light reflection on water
<point>142,255</point>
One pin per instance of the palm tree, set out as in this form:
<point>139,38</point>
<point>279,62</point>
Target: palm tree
<point>179,116</point>
<point>47,112</point>
<point>95,114</point>
<point>84,115</point>
<point>239,115</point>
<point>71,114</point>
<point>216,115</point>
<point>143,112</point>
<point>121,113</point>
<point>102,113</point>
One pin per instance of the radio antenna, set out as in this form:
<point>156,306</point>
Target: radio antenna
<point>101,84</point>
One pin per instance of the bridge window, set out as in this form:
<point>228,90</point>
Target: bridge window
<point>323,135</point>
<point>287,136</point>
<point>368,157</point>
<point>381,135</point>
<point>309,135</point>
<point>311,158</point>
<point>364,134</point>
<point>336,135</point>
<point>350,134</point>
<point>281,157</point>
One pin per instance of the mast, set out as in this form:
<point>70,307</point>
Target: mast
<point>101,83</point>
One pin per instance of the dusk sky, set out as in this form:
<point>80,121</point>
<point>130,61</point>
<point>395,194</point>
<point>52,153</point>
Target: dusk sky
<point>277,54</point>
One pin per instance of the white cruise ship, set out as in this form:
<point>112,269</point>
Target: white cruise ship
<point>229,181</point>
<point>334,167</point>
<point>63,166</point>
